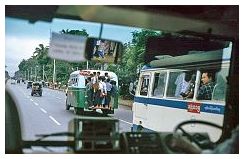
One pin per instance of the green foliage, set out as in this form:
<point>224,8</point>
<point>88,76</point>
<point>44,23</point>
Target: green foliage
<point>132,59</point>
<point>40,58</point>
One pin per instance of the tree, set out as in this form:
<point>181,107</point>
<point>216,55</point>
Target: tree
<point>131,59</point>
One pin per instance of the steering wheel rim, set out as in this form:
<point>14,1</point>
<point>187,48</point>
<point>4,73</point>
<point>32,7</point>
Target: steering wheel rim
<point>190,137</point>
<point>197,122</point>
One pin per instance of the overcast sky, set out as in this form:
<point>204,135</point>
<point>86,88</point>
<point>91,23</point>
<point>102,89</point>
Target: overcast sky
<point>21,37</point>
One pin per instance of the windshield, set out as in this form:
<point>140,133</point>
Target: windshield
<point>33,64</point>
<point>165,77</point>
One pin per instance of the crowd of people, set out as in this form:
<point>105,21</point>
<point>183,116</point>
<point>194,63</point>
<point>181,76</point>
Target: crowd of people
<point>100,90</point>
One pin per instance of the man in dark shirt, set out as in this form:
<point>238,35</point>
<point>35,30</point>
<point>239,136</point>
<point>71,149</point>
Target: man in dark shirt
<point>206,90</point>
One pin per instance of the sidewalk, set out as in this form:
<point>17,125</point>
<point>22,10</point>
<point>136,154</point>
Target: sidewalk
<point>128,103</point>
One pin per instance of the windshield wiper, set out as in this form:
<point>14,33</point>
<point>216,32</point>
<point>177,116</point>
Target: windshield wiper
<point>53,143</point>
<point>43,136</point>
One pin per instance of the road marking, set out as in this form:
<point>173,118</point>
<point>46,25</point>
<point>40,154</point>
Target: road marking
<point>31,100</point>
<point>43,110</point>
<point>28,96</point>
<point>124,121</point>
<point>54,120</point>
<point>36,103</point>
<point>58,98</point>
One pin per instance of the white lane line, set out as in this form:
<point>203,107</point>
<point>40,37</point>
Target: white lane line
<point>124,121</point>
<point>36,103</point>
<point>31,100</point>
<point>58,98</point>
<point>54,120</point>
<point>43,110</point>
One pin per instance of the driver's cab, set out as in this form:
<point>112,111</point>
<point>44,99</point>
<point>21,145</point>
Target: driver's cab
<point>165,130</point>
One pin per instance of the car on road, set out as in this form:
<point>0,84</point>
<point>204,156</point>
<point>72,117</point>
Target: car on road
<point>13,81</point>
<point>36,88</point>
<point>29,84</point>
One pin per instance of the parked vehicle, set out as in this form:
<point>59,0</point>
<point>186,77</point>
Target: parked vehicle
<point>29,84</point>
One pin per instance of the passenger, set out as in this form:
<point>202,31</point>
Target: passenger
<point>94,81</point>
<point>97,94</point>
<point>206,90</point>
<point>189,92</point>
<point>98,74</point>
<point>108,97</point>
<point>106,76</point>
<point>114,92</point>
<point>103,91</point>
<point>89,92</point>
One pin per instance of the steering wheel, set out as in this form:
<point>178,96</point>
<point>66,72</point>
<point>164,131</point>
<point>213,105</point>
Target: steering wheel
<point>197,135</point>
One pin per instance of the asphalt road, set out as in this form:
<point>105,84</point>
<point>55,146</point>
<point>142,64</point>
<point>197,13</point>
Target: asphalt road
<point>47,114</point>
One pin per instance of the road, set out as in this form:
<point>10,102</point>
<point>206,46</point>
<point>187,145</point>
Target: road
<point>47,114</point>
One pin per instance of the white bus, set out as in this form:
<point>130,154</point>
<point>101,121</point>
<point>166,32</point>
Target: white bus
<point>159,104</point>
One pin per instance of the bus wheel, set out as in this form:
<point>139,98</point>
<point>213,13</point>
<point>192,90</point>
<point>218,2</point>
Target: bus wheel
<point>67,106</point>
<point>79,111</point>
<point>105,111</point>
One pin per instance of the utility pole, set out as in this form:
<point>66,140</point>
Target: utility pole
<point>54,72</point>
<point>28,75</point>
<point>43,72</point>
<point>35,74</point>
<point>87,65</point>
<point>31,74</point>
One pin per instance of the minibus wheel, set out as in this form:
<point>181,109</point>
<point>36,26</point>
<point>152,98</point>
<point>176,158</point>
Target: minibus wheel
<point>105,111</point>
<point>66,105</point>
<point>79,111</point>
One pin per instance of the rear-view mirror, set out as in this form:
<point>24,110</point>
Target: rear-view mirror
<point>67,47</point>
<point>103,50</point>
<point>76,48</point>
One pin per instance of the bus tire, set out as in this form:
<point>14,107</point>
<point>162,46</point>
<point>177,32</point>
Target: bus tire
<point>105,111</point>
<point>66,105</point>
<point>79,111</point>
<point>76,110</point>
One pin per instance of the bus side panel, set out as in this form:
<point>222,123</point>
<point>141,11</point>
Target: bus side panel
<point>163,118</point>
<point>81,98</point>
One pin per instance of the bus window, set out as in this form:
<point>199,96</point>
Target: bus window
<point>219,90</point>
<point>176,80</point>
<point>159,84</point>
<point>144,85</point>
<point>181,84</point>
<point>76,81</point>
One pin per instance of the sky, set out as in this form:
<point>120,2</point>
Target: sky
<point>22,37</point>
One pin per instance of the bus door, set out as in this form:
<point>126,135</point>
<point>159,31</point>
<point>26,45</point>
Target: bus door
<point>140,105</point>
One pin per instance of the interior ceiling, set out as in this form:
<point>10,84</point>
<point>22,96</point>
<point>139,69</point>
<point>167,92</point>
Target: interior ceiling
<point>221,20</point>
